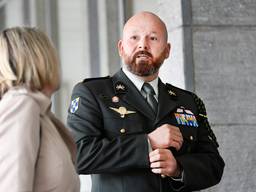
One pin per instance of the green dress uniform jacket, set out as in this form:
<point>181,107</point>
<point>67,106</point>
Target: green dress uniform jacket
<point>110,121</point>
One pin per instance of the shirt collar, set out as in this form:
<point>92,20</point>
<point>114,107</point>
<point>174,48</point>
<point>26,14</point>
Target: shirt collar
<point>139,82</point>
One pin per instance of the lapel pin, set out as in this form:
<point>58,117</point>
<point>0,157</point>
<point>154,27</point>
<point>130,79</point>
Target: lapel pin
<point>171,93</point>
<point>122,111</point>
<point>115,99</point>
<point>120,87</point>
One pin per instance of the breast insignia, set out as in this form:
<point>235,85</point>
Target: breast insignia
<point>122,111</point>
<point>185,117</point>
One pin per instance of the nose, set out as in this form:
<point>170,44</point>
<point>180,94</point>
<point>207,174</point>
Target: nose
<point>143,44</point>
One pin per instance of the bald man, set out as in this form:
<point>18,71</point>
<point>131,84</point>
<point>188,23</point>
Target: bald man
<point>137,134</point>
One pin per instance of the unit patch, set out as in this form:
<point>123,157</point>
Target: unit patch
<point>185,117</point>
<point>74,105</point>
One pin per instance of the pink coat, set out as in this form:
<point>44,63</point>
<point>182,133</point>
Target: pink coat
<point>33,154</point>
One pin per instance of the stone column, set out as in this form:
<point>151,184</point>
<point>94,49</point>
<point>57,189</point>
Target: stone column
<point>223,51</point>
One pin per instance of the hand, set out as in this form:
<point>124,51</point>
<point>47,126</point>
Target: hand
<point>163,162</point>
<point>166,136</point>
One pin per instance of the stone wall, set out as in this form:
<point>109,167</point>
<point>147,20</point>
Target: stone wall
<point>224,55</point>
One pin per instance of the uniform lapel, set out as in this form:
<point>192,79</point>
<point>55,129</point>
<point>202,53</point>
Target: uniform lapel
<point>167,101</point>
<point>130,94</point>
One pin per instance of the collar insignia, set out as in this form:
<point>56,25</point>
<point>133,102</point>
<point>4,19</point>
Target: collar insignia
<point>171,93</point>
<point>120,87</point>
<point>122,111</point>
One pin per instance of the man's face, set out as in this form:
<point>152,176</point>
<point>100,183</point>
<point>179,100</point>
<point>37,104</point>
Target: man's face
<point>144,45</point>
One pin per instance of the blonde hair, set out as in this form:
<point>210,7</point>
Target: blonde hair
<point>27,57</point>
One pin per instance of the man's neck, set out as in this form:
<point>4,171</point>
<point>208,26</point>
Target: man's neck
<point>149,78</point>
<point>144,78</point>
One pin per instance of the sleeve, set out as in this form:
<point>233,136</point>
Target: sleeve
<point>20,134</point>
<point>204,166</point>
<point>96,153</point>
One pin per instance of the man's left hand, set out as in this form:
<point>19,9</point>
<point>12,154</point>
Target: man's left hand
<point>163,162</point>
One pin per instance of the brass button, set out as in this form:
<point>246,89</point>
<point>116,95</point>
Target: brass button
<point>191,138</point>
<point>122,130</point>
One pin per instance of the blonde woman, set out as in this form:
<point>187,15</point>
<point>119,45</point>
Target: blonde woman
<point>37,153</point>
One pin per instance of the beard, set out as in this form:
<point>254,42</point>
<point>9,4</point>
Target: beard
<point>142,63</point>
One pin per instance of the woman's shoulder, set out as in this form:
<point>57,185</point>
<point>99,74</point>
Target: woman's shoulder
<point>18,99</point>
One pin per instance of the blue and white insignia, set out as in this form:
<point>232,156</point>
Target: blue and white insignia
<point>74,105</point>
<point>185,117</point>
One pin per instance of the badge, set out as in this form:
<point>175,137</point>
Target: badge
<point>171,93</point>
<point>122,111</point>
<point>115,99</point>
<point>74,105</point>
<point>120,87</point>
<point>185,117</point>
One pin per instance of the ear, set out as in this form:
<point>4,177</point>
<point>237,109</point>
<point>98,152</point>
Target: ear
<point>120,47</point>
<point>167,50</point>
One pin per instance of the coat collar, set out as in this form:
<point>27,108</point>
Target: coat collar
<point>167,100</point>
<point>42,100</point>
<point>125,89</point>
<point>130,94</point>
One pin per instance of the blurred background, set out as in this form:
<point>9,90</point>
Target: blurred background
<point>213,54</point>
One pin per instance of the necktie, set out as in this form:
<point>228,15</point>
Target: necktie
<point>149,93</point>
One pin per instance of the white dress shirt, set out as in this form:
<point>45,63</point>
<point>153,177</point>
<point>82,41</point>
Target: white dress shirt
<point>138,82</point>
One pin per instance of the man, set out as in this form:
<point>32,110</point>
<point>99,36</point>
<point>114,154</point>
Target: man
<point>136,134</point>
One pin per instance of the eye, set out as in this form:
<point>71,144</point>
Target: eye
<point>134,37</point>
<point>153,38</point>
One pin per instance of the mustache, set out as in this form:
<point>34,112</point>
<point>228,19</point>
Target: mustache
<point>142,53</point>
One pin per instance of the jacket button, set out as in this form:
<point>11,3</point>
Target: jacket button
<point>122,130</point>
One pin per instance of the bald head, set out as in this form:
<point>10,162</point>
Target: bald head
<point>145,20</point>
<point>144,45</point>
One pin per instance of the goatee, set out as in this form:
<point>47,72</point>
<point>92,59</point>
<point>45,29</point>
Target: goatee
<point>143,64</point>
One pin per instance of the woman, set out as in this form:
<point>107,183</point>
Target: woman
<point>37,153</point>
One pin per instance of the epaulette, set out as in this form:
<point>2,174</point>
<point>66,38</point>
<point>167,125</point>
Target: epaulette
<point>203,118</point>
<point>95,78</point>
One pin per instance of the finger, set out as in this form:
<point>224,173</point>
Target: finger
<point>176,145</point>
<point>177,135</point>
<point>157,171</point>
<point>155,158</point>
<point>158,164</point>
<point>160,155</point>
<point>176,131</point>
<point>161,171</point>
<point>155,152</point>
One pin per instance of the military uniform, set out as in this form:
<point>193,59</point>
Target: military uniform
<point>110,120</point>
